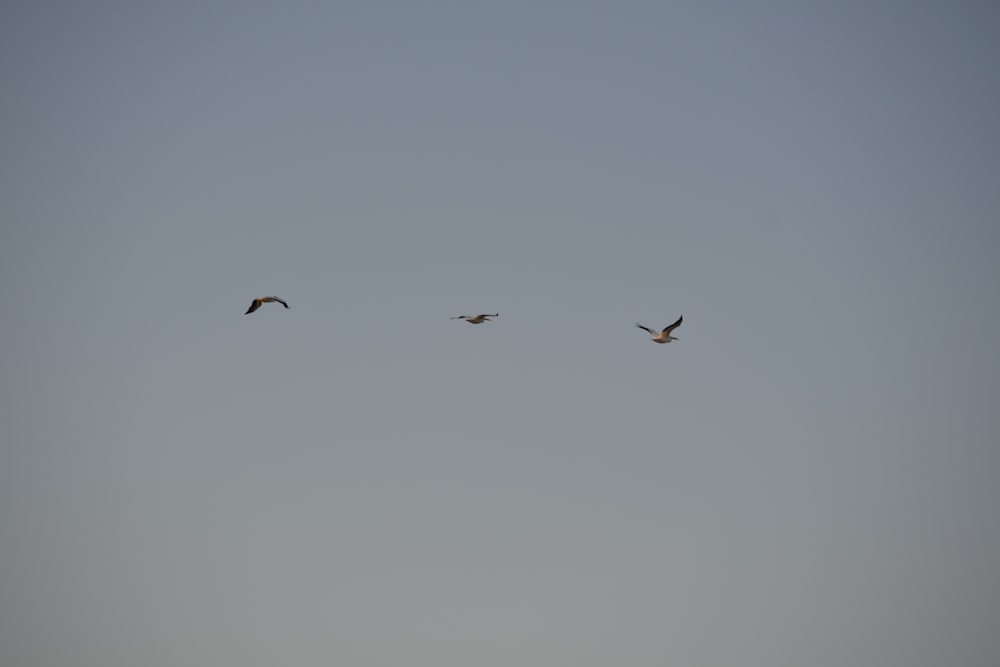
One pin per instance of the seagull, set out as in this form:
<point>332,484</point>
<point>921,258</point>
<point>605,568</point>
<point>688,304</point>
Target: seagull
<point>263,299</point>
<point>475,319</point>
<point>663,336</point>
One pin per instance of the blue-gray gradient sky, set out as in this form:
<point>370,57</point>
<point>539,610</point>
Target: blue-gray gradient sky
<point>809,476</point>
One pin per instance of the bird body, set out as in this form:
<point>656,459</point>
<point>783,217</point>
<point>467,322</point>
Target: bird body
<point>256,303</point>
<point>476,319</point>
<point>663,336</point>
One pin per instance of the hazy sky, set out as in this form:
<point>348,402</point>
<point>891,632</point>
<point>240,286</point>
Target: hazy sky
<point>810,476</point>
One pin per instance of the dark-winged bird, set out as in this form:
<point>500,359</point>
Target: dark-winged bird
<point>476,319</point>
<point>263,299</point>
<point>663,336</point>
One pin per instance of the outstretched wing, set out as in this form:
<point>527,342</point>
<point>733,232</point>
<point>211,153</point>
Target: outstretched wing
<point>673,326</point>
<point>651,332</point>
<point>458,317</point>
<point>253,306</point>
<point>280,301</point>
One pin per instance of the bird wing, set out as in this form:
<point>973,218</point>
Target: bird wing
<point>280,301</point>
<point>653,333</point>
<point>253,306</point>
<point>458,317</point>
<point>673,326</point>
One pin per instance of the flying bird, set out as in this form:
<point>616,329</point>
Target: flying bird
<point>476,319</point>
<point>263,299</point>
<point>663,336</point>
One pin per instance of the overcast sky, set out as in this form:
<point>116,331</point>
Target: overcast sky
<point>809,476</point>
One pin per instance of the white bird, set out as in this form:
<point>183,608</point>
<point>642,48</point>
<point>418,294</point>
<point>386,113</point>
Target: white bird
<point>663,336</point>
<point>475,319</point>
<point>263,299</point>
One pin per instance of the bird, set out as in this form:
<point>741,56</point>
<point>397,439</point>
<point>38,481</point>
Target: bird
<point>663,336</point>
<point>476,319</point>
<point>263,299</point>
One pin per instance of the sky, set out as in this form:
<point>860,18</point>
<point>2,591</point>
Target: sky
<point>809,476</point>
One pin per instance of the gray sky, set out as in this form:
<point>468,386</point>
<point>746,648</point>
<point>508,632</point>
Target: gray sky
<point>809,476</point>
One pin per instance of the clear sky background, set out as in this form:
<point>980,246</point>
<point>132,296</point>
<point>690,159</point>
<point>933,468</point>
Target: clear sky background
<point>809,476</point>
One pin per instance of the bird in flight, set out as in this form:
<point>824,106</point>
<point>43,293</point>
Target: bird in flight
<point>476,319</point>
<point>263,299</point>
<point>663,336</point>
